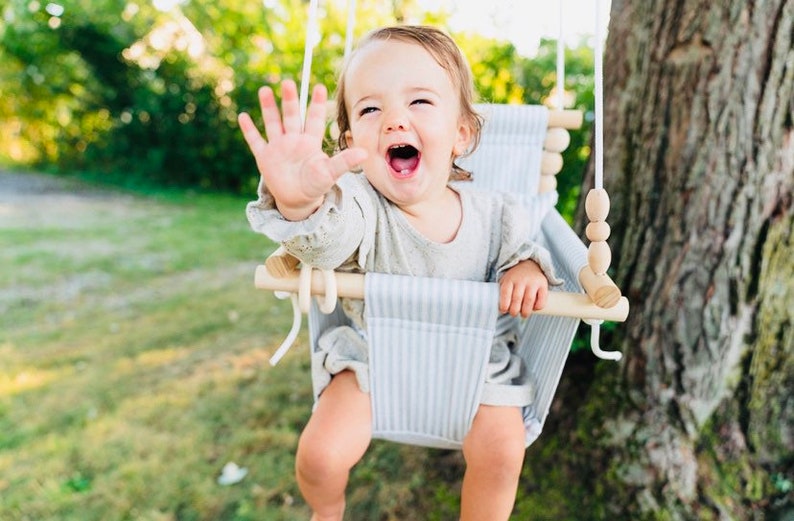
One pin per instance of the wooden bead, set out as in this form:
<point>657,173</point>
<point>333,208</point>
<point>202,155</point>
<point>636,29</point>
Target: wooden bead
<point>547,183</point>
<point>550,163</point>
<point>557,140</point>
<point>599,257</point>
<point>597,204</point>
<point>597,231</point>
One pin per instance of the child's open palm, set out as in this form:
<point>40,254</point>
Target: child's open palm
<point>291,161</point>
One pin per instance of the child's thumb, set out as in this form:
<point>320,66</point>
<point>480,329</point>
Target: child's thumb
<point>346,160</point>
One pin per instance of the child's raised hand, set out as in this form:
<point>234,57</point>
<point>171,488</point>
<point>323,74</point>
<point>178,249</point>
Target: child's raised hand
<point>523,289</point>
<point>291,161</point>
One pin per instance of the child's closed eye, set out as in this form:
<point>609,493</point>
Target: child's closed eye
<point>367,110</point>
<point>421,101</point>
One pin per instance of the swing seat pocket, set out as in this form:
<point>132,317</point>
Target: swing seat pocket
<point>430,342</point>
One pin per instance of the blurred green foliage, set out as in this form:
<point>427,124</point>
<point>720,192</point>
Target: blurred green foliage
<point>141,96</point>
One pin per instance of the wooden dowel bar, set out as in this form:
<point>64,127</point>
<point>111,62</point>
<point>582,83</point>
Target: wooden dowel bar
<point>351,285</point>
<point>570,119</point>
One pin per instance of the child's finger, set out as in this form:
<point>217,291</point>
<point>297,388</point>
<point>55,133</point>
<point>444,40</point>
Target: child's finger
<point>290,108</point>
<point>540,298</point>
<point>270,113</point>
<point>252,136</point>
<point>528,303</point>
<point>505,293</point>
<point>516,302</point>
<point>346,160</point>
<point>315,116</point>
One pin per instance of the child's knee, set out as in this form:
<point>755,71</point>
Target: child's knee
<point>325,453</point>
<point>313,459</point>
<point>497,438</point>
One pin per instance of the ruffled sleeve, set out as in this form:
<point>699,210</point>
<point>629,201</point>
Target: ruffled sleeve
<point>327,238</point>
<point>516,232</point>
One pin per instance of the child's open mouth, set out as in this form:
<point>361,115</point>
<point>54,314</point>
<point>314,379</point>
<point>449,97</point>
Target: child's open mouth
<point>403,159</point>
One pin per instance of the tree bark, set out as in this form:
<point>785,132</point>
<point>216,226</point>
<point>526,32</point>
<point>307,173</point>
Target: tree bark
<point>699,161</point>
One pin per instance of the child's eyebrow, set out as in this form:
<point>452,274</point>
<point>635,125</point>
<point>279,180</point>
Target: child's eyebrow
<point>423,90</point>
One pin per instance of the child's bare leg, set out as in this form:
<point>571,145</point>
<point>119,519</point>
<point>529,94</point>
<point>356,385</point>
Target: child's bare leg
<point>335,439</point>
<point>494,453</point>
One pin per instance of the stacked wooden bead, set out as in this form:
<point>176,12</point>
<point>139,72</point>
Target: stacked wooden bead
<point>599,256</point>
<point>557,140</point>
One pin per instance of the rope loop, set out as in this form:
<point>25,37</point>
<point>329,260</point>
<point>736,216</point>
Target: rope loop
<point>328,303</point>
<point>595,333</point>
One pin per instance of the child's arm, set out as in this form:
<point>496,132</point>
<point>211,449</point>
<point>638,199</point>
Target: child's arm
<point>523,289</point>
<point>291,161</point>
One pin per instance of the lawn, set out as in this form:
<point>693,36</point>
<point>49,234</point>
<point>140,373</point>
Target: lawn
<point>133,364</point>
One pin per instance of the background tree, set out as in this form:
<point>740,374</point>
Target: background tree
<point>698,421</point>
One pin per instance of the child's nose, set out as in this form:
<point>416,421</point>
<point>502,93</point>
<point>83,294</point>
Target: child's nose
<point>396,122</point>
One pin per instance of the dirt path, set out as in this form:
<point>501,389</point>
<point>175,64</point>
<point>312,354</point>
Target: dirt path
<point>32,200</point>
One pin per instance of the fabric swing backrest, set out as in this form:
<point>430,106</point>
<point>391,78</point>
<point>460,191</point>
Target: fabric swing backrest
<point>430,339</point>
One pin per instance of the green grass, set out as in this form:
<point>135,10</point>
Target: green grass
<point>133,353</point>
<point>133,366</point>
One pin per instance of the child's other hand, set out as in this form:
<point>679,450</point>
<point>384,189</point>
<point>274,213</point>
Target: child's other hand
<point>523,289</point>
<point>291,161</point>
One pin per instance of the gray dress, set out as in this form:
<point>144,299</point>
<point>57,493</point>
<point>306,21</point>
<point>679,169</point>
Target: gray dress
<point>357,229</point>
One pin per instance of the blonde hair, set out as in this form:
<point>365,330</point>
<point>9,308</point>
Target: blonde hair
<point>447,54</point>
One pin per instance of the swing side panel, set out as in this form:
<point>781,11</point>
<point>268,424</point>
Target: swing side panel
<point>509,160</point>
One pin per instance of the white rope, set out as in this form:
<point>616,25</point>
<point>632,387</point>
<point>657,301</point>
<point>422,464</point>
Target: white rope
<point>599,102</point>
<point>293,332</point>
<point>351,24</point>
<point>560,61</point>
<point>312,39</point>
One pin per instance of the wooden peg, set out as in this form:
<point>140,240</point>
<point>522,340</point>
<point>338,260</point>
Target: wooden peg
<point>280,263</point>
<point>557,140</point>
<point>565,118</point>
<point>600,288</point>
<point>550,163</point>
<point>547,183</point>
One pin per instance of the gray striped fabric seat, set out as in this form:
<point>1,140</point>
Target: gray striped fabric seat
<point>430,339</point>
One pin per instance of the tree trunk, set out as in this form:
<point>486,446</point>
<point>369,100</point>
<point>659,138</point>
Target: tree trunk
<point>698,423</point>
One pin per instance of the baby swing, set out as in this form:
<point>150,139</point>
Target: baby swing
<point>430,339</point>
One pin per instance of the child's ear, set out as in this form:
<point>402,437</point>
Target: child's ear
<point>465,135</point>
<point>348,138</point>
